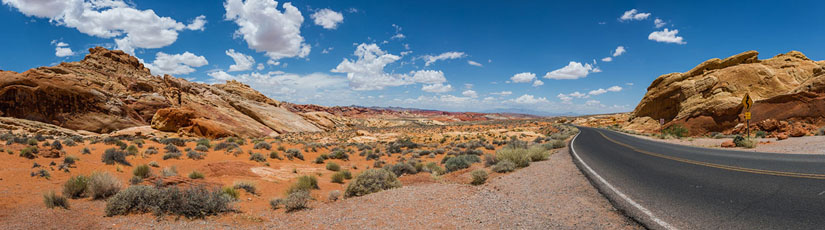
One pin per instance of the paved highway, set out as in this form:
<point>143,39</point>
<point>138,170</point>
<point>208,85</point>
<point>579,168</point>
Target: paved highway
<point>668,186</point>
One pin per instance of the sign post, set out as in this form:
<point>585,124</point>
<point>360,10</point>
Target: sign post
<point>747,102</point>
<point>662,126</point>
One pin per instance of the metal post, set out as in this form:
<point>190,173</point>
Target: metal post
<point>749,128</point>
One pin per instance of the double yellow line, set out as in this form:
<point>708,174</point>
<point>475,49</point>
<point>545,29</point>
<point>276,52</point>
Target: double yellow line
<point>720,166</point>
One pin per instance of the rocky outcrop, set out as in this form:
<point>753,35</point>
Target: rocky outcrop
<point>110,90</point>
<point>708,97</point>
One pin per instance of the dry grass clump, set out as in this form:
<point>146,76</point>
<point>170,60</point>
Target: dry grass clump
<point>370,181</point>
<point>102,185</point>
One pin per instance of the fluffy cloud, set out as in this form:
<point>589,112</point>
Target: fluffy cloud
<point>474,63</point>
<point>573,70</point>
<point>398,35</point>
<point>607,59</point>
<point>470,93</point>
<point>523,77</point>
<point>61,49</point>
<point>175,64</point>
<point>444,56</point>
<point>267,29</point>
<point>367,72</point>
<point>327,18</point>
<point>528,99</point>
<point>537,83</point>
<point>503,93</point>
<point>659,23</point>
<point>437,88</point>
<point>429,77</point>
<point>578,95</point>
<point>614,88</point>
<point>243,62</point>
<point>197,24</point>
<point>666,36</point>
<point>619,51</point>
<point>596,92</point>
<point>633,14</point>
<point>131,28</point>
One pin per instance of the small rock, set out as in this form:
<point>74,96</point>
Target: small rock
<point>781,136</point>
<point>728,144</point>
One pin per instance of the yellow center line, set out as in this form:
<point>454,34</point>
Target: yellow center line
<point>720,166</point>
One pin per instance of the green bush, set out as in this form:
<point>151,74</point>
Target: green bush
<point>294,153</point>
<point>555,144</point>
<point>29,152</point>
<point>761,134</point>
<point>112,156</point>
<point>371,181</point>
<point>70,160</point>
<point>479,176</point>
<point>204,142</point>
<point>518,156</point>
<point>676,130</point>
<point>131,150</point>
<point>504,166</point>
<point>102,185</point>
<point>53,200</point>
<point>742,142</point>
<point>142,171</point>
<point>460,162</point>
<point>195,155</point>
<point>231,192</point>
<point>257,157</point>
<point>75,187</point>
<point>304,183</point>
<point>246,186</point>
<point>337,178</point>
<point>489,160</point>
<point>196,175</point>
<point>274,155</point>
<point>194,202</point>
<point>433,167</point>
<point>332,166</point>
<point>401,168</point>
<point>262,145</point>
<point>296,201</point>
<point>172,155</point>
<point>537,153</point>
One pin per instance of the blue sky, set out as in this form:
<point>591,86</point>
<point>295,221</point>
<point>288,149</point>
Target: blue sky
<point>544,56</point>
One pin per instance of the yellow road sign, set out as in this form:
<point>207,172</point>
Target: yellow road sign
<point>747,115</point>
<point>747,101</point>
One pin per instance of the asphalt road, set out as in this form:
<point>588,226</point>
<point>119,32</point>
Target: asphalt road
<point>668,186</point>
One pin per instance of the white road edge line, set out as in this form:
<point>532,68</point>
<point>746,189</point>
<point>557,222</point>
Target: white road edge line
<point>622,195</point>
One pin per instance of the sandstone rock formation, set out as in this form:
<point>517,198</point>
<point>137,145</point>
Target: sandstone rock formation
<point>110,90</point>
<point>708,97</point>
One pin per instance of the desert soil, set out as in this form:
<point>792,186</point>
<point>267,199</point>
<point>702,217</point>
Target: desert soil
<point>551,194</point>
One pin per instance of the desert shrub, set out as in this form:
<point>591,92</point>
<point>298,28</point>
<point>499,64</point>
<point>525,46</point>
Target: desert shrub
<point>338,154</point>
<point>304,183</point>
<point>518,156</point>
<point>761,134</point>
<point>274,155</point>
<point>201,148</point>
<point>537,153</point>
<point>170,148</point>
<point>86,151</point>
<point>56,145</point>
<point>554,144</point>
<point>131,150</point>
<point>432,167</point>
<point>29,152</point>
<point>226,145</point>
<point>204,142</point>
<point>42,173</point>
<point>479,176</point>
<point>196,175</point>
<point>371,181</point>
<point>401,168</point>
<point>489,160</point>
<point>676,131</point>
<point>102,185</point>
<point>32,142</point>
<point>460,162</point>
<point>319,160</point>
<point>70,160</point>
<point>246,186</point>
<point>172,155</point>
<point>151,151</point>
<point>231,192</point>
<point>296,201</point>
<point>173,141</point>
<point>294,153</point>
<point>743,142</point>
<point>142,171</point>
<point>75,187</point>
<point>135,180</point>
<point>262,145</point>
<point>154,164</point>
<point>169,171</point>
<point>112,156</point>
<point>338,177</point>
<point>334,195</point>
<point>257,157</point>
<point>194,202</point>
<point>195,155</point>
<point>53,200</point>
<point>332,166</point>
<point>69,142</point>
<point>504,166</point>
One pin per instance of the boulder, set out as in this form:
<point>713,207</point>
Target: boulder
<point>781,136</point>
<point>798,131</point>
<point>728,144</point>
<point>172,119</point>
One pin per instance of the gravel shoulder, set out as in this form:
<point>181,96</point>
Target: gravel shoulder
<point>551,194</point>
<point>793,145</point>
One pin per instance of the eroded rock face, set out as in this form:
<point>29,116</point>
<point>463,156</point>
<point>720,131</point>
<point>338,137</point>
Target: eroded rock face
<point>110,90</point>
<point>708,97</point>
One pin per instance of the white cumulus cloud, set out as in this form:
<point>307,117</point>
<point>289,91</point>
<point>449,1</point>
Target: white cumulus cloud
<point>175,64</point>
<point>61,49</point>
<point>634,14</point>
<point>197,24</point>
<point>614,88</point>
<point>667,36</point>
<point>444,56</point>
<point>607,59</point>
<point>596,92</point>
<point>474,63</point>
<point>367,71</point>
<point>327,18</point>
<point>437,88</point>
<point>659,23</point>
<point>573,70</point>
<point>528,99</point>
<point>523,77</point>
<point>267,29</point>
<point>470,93</point>
<point>131,28</point>
<point>537,83</point>
<point>243,62</point>
<point>429,77</point>
<point>619,51</point>
<point>503,93</point>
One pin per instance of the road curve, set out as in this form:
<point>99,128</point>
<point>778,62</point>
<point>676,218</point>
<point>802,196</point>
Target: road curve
<point>667,186</point>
